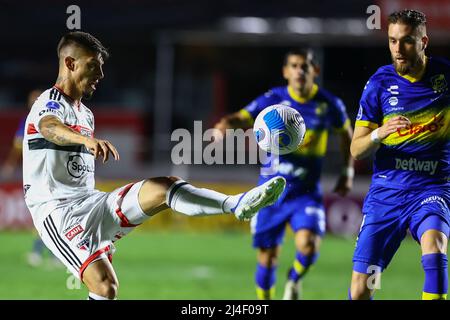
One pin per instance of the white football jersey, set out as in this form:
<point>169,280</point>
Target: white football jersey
<point>53,173</point>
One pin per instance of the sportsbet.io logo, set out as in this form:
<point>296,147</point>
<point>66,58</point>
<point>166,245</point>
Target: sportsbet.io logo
<point>76,166</point>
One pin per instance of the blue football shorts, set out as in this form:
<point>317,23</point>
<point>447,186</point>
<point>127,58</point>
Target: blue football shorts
<point>389,213</point>
<point>304,211</point>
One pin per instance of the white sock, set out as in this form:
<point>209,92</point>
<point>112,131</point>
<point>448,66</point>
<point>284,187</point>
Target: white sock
<point>189,200</point>
<point>93,296</point>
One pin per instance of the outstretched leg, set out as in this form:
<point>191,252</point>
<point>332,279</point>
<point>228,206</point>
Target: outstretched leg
<point>158,194</point>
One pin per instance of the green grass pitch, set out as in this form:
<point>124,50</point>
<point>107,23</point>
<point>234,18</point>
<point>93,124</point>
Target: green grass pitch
<point>188,265</point>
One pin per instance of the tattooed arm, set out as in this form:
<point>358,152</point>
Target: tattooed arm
<point>55,131</point>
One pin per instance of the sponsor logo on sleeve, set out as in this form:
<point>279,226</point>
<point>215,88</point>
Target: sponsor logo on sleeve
<point>52,105</point>
<point>46,111</point>
<point>86,132</point>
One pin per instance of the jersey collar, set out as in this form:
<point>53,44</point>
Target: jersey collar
<point>68,97</point>
<point>296,97</point>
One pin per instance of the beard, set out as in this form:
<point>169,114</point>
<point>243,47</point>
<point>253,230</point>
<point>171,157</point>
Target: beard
<point>87,95</point>
<point>407,67</point>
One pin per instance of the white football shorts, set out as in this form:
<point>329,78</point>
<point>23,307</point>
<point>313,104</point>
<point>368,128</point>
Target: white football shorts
<point>82,231</point>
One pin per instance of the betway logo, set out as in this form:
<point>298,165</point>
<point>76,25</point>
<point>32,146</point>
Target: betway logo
<point>413,129</point>
<point>412,164</point>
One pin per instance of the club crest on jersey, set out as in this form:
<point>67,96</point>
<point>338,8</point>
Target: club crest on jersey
<point>83,244</point>
<point>321,108</point>
<point>438,83</point>
<point>53,105</point>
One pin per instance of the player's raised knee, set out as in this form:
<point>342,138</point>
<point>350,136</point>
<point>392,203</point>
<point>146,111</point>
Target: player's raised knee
<point>174,178</point>
<point>162,182</point>
<point>153,193</point>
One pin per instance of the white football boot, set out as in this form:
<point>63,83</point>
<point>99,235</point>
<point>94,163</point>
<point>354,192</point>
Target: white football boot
<point>259,197</point>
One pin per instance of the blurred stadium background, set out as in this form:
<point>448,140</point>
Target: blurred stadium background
<point>174,62</point>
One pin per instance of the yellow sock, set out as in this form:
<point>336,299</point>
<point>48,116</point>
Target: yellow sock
<point>265,294</point>
<point>434,296</point>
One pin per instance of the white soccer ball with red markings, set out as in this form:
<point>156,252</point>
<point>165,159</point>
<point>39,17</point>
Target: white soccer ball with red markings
<point>279,129</point>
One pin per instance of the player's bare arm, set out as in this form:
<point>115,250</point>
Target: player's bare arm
<point>345,181</point>
<point>233,121</point>
<point>55,131</point>
<point>363,144</point>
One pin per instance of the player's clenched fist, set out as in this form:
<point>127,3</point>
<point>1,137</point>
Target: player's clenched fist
<point>392,125</point>
<point>101,148</point>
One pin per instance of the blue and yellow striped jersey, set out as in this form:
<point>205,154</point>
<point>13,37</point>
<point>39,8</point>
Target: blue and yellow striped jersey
<point>416,156</point>
<point>321,111</point>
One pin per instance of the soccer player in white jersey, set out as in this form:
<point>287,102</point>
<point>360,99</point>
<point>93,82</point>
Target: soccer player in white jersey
<point>77,222</point>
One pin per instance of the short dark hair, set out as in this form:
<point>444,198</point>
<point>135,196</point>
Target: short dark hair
<point>307,53</point>
<point>410,17</point>
<point>84,40</point>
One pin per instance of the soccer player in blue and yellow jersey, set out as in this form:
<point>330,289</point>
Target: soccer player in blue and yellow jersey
<point>301,205</point>
<point>404,117</point>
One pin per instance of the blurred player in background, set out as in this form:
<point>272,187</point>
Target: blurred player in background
<point>14,158</point>
<point>13,161</point>
<point>404,117</point>
<point>301,205</point>
<point>77,222</point>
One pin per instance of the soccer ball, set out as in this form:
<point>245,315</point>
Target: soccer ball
<point>279,129</point>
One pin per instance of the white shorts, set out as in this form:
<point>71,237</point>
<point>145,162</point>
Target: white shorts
<point>82,231</point>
